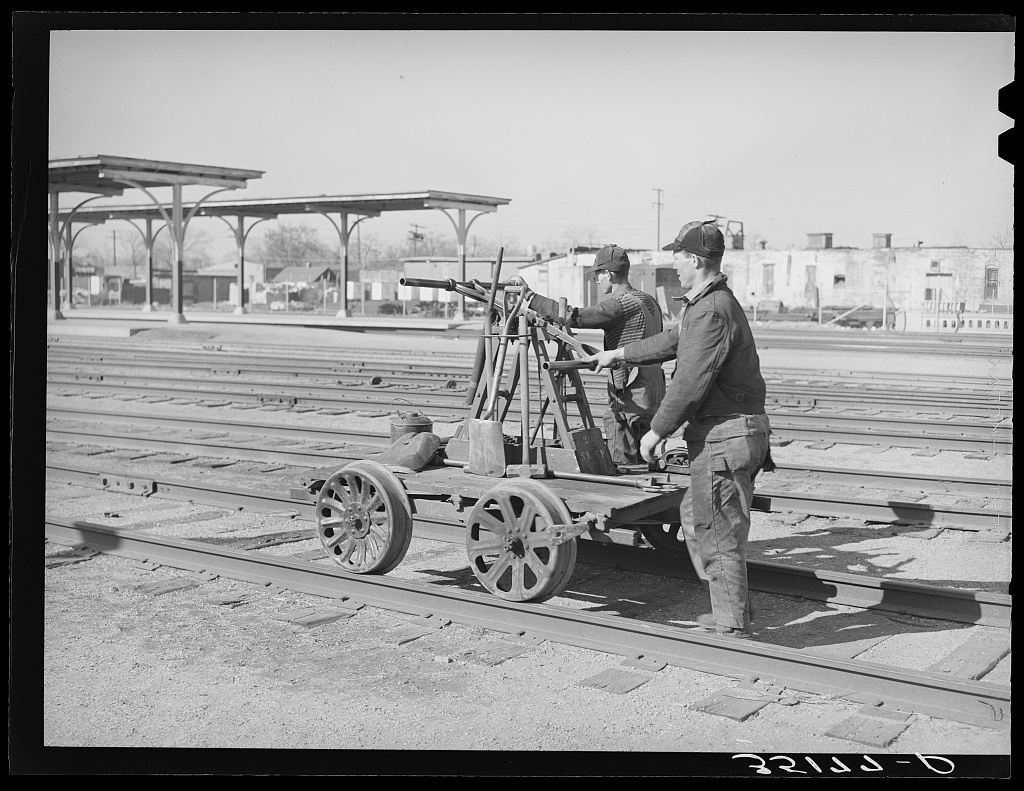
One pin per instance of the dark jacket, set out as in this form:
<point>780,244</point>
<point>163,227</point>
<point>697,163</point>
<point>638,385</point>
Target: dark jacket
<point>717,368</point>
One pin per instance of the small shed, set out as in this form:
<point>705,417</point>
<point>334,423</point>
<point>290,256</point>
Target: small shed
<point>306,275</point>
<point>219,282</point>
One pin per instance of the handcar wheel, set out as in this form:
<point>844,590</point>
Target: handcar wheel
<point>670,537</point>
<point>363,518</point>
<point>666,537</point>
<point>509,546</point>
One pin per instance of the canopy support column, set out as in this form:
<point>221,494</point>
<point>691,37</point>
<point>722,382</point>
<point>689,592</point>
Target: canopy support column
<point>60,255</point>
<point>461,234</point>
<point>69,287</point>
<point>148,236</point>
<point>147,239</point>
<point>53,313</point>
<point>177,229</point>
<point>343,232</point>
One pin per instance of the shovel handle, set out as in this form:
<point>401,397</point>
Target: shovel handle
<point>478,369</point>
<point>489,354</point>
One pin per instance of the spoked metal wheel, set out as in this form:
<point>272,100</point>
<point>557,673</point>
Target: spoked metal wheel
<point>509,546</point>
<point>364,518</point>
<point>670,536</point>
<point>667,537</point>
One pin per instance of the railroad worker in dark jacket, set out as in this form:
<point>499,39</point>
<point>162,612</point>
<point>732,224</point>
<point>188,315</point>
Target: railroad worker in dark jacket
<point>634,392</point>
<point>718,394</point>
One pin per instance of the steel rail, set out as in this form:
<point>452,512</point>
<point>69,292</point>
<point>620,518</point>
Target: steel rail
<point>457,365</point>
<point>260,364</point>
<point>808,336</point>
<point>369,359</point>
<point>993,443</point>
<point>804,474</point>
<point>923,692</point>
<point>897,343</point>
<point>870,593</point>
<point>995,438</point>
<point>223,445</point>
<point>385,360</point>
<point>782,394</point>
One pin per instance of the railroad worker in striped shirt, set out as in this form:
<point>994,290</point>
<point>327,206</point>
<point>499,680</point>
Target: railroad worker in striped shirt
<point>628,314</point>
<point>717,395</point>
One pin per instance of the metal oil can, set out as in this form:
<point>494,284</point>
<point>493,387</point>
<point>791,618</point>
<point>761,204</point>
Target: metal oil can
<point>413,422</point>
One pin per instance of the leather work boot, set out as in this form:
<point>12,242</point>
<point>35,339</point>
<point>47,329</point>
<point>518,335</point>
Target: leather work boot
<point>708,625</point>
<point>707,620</point>
<point>739,634</point>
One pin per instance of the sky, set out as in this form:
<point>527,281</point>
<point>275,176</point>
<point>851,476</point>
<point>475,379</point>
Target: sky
<point>789,132</point>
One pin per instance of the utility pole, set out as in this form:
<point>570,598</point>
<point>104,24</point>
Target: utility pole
<point>658,204</point>
<point>415,236</point>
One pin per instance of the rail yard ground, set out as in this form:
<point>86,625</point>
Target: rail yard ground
<point>219,671</point>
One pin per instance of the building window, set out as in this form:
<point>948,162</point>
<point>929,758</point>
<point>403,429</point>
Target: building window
<point>935,266</point>
<point>811,282</point>
<point>769,280</point>
<point>944,325</point>
<point>929,294</point>
<point>927,322</point>
<point>970,324</point>
<point>988,325</point>
<point>839,281</point>
<point>991,283</point>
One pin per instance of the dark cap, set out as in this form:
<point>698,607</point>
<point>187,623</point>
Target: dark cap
<point>700,238</point>
<point>611,258</point>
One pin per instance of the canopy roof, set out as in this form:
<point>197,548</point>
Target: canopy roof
<point>106,175</point>
<point>371,205</point>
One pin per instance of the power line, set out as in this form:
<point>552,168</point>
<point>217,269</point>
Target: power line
<point>415,236</point>
<point>659,205</point>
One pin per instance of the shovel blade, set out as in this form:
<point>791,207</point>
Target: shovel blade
<point>592,454</point>
<point>486,448</point>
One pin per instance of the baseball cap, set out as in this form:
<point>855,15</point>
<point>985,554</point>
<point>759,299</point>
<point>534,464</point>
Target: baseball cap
<point>699,238</point>
<point>611,258</point>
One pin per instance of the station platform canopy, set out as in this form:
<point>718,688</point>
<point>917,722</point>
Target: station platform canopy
<point>108,175</point>
<point>369,205</point>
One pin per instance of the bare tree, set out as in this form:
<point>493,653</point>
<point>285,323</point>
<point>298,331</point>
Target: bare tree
<point>195,255</point>
<point>132,249</point>
<point>1002,238</point>
<point>576,236</point>
<point>292,245</point>
<point>957,239</point>
<point>442,244</point>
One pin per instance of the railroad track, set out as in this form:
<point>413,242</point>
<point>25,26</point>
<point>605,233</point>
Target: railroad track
<point>857,590</point>
<point>767,336</point>
<point>956,395</point>
<point>927,691</point>
<point>936,694</point>
<point>855,340</point>
<point>994,435</point>
<point>234,439</point>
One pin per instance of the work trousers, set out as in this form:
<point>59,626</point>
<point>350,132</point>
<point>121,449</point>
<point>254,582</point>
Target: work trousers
<point>628,418</point>
<point>726,453</point>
